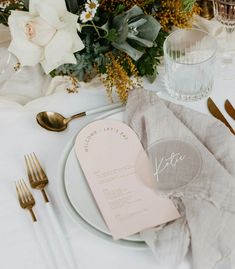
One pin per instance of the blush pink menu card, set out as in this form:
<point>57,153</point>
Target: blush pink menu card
<point>107,151</point>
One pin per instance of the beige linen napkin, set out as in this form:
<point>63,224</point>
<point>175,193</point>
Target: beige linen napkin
<point>207,204</point>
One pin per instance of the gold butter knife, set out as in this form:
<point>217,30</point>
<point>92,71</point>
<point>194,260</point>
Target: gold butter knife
<point>214,110</point>
<point>229,109</point>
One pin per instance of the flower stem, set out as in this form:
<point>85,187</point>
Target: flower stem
<point>96,29</point>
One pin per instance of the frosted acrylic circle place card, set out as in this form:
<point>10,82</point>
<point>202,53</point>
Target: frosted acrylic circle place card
<point>174,163</point>
<point>189,57</point>
<point>107,152</point>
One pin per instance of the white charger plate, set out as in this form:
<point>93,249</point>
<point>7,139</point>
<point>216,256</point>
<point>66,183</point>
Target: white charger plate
<point>77,198</point>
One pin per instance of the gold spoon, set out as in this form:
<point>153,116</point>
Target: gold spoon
<point>55,122</point>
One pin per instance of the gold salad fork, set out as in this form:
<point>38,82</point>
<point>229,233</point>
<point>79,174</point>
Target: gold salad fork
<point>37,177</point>
<point>27,201</point>
<point>25,197</point>
<point>38,180</point>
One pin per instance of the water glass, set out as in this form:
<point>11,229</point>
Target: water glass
<point>189,56</point>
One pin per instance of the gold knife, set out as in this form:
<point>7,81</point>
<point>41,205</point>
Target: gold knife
<point>214,110</point>
<point>229,109</point>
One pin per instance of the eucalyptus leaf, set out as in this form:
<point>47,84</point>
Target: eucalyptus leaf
<point>132,52</point>
<point>150,29</point>
<point>140,41</point>
<point>137,23</point>
<point>134,28</point>
<point>120,23</point>
<point>134,11</point>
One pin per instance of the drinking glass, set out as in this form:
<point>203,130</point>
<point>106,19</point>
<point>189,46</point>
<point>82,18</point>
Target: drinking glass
<point>189,56</point>
<point>224,11</point>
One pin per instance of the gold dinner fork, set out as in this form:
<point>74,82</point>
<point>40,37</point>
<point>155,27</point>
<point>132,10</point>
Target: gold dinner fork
<point>25,197</point>
<point>38,180</point>
<point>37,177</point>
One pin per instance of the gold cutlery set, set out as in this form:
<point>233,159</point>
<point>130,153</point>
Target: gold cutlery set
<point>59,254</point>
<point>214,110</point>
<point>55,122</point>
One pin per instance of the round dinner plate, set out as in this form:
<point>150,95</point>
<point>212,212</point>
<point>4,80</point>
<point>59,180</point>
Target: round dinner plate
<point>78,198</point>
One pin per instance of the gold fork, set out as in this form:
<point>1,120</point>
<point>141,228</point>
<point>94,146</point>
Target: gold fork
<point>38,180</point>
<point>27,201</point>
<point>37,177</point>
<point>25,197</point>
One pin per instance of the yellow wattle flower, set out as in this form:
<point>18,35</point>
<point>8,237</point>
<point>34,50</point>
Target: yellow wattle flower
<point>117,77</point>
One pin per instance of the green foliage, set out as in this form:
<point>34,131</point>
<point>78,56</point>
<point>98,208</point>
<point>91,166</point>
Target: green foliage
<point>119,9</point>
<point>147,64</point>
<point>89,61</point>
<point>111,35</point>
<point>133,31</point>
<point>188,5</point>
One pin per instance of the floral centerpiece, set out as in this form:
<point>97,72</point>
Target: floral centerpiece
<point>117,40</point>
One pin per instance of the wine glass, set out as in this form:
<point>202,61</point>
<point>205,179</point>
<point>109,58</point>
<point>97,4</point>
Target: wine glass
<point>224,11</point>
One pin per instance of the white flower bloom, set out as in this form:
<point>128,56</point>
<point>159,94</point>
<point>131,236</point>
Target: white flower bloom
<point>86,16</point>
<point>47,34</point>
<point>92,5</point>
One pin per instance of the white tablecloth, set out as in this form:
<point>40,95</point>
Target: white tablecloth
<point>20,134</point>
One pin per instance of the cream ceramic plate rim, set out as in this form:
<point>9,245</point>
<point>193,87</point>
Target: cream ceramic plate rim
<point>70,208</point>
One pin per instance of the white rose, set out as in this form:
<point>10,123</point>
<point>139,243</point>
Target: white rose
<point>47,34</point>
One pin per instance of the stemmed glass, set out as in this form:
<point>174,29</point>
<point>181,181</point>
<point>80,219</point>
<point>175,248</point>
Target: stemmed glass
<point>224,11</point>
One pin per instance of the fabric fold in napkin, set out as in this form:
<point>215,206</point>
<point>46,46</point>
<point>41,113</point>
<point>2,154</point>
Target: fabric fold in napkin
<point>207,203</point>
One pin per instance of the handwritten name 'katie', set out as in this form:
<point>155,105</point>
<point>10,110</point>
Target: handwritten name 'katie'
<point>165,162</point>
